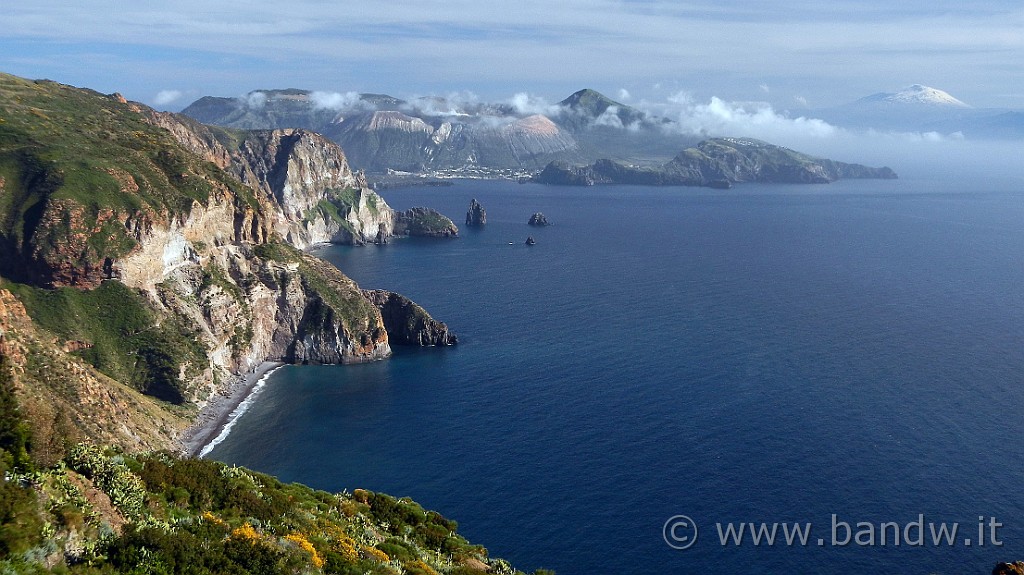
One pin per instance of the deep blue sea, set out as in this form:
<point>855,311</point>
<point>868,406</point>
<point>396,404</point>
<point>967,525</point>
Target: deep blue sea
<point>763,354</point>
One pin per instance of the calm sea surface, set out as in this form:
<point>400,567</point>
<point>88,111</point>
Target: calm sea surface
<point>764,354</point>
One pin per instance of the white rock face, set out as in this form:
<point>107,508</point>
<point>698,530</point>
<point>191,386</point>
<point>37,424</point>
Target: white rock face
<point>205,266</point>
<point>298,171</point>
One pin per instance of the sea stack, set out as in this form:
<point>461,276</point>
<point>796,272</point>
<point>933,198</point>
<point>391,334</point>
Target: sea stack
<point>538,219</point>
<point>476,216</point>
<point>530,241</point>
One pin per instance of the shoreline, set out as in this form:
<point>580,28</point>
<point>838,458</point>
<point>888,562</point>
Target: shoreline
<point>210,425</point>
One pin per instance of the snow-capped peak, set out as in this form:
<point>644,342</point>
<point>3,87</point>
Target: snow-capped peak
<point>917,94</point>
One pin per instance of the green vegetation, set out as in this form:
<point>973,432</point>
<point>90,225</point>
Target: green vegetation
<point>80,173</point>
<point>74,164</point>
<point>103,511</point>
<point>340,293</point>
<point>121,334</point>
<point>333,211</point>
<point>229,138</point>
<point>14,430</point>
<point>424,222</point>
<point>339,202</point>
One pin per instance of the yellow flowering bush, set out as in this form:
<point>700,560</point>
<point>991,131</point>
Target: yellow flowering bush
<point>304,544</point>
<point>246,533</point>
<point>376,554</point>
<point>418,568</point>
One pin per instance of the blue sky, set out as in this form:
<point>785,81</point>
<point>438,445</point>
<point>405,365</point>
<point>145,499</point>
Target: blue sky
<point>792,54</point>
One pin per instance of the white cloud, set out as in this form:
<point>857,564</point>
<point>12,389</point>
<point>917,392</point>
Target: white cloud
<point>254,100</point>
<point>165,97</point>
<point>610,118</point>
<point>526,104</point>
<point>337,100</point>
<point>802,101</point>
<point>624,95</point>
<point>752,119</point>
<point>765,88</point>
<point>454,104</point>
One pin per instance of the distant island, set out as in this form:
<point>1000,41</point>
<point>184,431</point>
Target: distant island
<point>715,163</point>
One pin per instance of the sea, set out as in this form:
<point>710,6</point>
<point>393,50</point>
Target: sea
<point>667,366</point>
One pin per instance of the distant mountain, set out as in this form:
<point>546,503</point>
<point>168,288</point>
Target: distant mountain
<point>380,133</point>
<point>920,108</point>
<point>590,107</point>
<point>716,163</point>
<point>916,95</point>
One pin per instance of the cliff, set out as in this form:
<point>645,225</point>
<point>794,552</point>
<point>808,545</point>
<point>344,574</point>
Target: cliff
<point>315,195</point>
<point>715,163</point>
<point>408,323</point>
<point>160,256</point>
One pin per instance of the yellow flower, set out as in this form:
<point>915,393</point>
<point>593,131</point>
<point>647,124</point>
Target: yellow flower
<point>246,532</point>
<point>210,517</point>
<point>304,544</point>
<point>376,554</point>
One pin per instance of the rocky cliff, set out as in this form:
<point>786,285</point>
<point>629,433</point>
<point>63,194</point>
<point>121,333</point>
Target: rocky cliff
<point>715,163</point>
<point>408,323</point>
<point>162,255</point>
<point>315,195</point>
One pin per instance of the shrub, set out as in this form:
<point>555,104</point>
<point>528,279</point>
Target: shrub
<point>125,489</point>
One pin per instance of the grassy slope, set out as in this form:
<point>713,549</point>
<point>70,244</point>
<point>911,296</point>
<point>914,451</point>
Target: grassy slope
<point>126,339</point>
<point>89,155</point>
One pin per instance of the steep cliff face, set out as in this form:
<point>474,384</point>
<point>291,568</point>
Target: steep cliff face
<point>381,133</point>
<point>408,323</point>
<point>314,195</point>
<point>311,184</point>
<point>66,400</point>
<point>269,302</point>
<point>182,274</point>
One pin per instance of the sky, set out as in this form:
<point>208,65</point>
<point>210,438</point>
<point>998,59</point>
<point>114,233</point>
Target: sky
<point>792,54</point>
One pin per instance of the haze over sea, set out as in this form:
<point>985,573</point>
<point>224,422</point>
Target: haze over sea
<point>768,353</point>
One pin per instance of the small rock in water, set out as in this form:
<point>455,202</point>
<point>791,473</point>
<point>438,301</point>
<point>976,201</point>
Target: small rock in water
<point>538,219</point>
<point>530,241</point>
<point>476,215</point>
